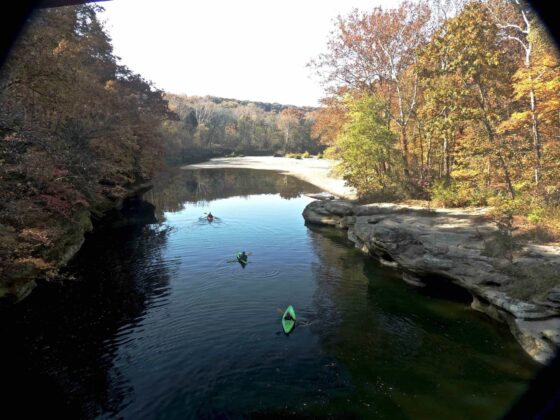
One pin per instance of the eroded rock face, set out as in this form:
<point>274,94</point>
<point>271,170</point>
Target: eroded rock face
<point>42,260</point>
<point>522,290</point>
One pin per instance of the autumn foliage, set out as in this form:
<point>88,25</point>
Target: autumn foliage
<point>78,132</point>
<point>470,89</point>
<point>211,126</point>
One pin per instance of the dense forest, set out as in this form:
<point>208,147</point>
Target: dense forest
<point>453,101</point>
<point>210,126</point>
<point>78,134</point>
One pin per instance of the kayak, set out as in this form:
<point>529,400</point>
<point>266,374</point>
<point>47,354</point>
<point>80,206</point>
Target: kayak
<point>287,323</point>
<point>242,260</point>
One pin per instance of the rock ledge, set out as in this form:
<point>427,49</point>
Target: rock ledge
<point>460,246</point>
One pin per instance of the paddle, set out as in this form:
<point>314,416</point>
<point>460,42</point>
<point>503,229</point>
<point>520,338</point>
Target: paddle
<point>249,254</point>
<point>241,262</point>
<point>233,261</point>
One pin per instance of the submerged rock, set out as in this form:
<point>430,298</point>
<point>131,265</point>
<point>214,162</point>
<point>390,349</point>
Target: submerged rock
<point>460,246</point>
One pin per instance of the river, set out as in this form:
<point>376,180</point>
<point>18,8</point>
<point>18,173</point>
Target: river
<point>161,323</point>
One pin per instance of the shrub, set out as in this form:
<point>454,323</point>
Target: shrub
<point>306,155</point>
<point>446,193</point>
<point>536,215</point>
<point>455,194</point>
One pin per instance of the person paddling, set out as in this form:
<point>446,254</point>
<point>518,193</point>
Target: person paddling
<point>210,217</point>
<point>243,257</point>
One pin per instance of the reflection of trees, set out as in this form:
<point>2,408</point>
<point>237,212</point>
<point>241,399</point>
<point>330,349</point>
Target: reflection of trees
<point>372,305</point>
<point>330,246</point>
<point>175,188</point>
<point>388,337</point>
<point>58,346</point>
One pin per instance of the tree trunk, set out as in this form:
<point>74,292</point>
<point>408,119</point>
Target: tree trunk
<point>404,146</point>
<point>429,154</point>
<point>536,138</point>
<point>446,170</point>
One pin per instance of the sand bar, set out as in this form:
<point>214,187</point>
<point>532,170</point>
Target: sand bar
<point>315,171</point>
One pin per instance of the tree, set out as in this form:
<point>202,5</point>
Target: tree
<point>535,82</point>
<point>373,52</point>
<point>328,120</point>
<point>517,23</point>
<point>78,133</point>
<point>288,122</point>
<point>471,80</point>
<point>366,147</point>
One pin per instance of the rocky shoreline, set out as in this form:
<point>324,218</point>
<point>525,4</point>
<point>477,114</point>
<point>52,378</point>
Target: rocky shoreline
<point>43,259</point>
<point>462,247</point>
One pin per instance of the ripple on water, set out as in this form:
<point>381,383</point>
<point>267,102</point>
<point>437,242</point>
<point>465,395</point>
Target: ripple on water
<point>167,326</point>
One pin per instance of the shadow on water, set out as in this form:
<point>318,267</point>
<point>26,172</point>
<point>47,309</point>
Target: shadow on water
<point>159,325</point>
<point>411,352</point>
<point>59,344</point>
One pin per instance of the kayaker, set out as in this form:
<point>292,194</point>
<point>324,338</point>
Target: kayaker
<point>243,257</point>
<point>210,217</point>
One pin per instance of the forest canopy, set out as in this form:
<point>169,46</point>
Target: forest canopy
<point>470,91</point>
<point>211,126</point>
<point>78,133</point>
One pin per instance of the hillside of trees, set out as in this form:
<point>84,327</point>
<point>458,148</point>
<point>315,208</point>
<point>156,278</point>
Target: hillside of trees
<point>452,101</point>
<point>78,133</point>
<point>210,126</point>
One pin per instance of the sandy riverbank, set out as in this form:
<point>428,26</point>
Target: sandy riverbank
<point>314,171</point>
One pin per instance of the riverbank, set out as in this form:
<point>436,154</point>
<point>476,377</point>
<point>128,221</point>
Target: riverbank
<point>461,247</point>
<point>44,242</point>
<point>203,337</point>
<point>315,171</point>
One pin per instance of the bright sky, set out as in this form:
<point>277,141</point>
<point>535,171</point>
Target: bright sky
<point>243,49</point>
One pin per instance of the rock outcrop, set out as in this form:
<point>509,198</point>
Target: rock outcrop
<point>39,252</point>
<point>518,286</point>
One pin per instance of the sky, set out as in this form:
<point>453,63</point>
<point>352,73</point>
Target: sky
<point>243,49</point>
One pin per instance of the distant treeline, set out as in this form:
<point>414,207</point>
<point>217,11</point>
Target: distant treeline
<point>217,126</point>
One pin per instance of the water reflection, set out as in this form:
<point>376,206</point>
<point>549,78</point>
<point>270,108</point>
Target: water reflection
<point>175,188</point>
<point>58,346</point>
<point>160,324</point>
<point>409,353</point>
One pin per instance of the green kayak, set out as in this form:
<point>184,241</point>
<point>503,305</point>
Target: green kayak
<point>289,319</point>
<point>242,259</point>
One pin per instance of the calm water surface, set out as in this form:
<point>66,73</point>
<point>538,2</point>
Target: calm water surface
<point>161,324</point>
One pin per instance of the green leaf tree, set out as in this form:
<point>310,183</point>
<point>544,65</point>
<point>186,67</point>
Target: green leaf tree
<point>366,147</point>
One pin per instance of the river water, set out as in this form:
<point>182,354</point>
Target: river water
<point>160,323</point>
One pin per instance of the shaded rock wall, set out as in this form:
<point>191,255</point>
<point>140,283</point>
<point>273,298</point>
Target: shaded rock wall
<point>460,246</point>
<point>40,259</point>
